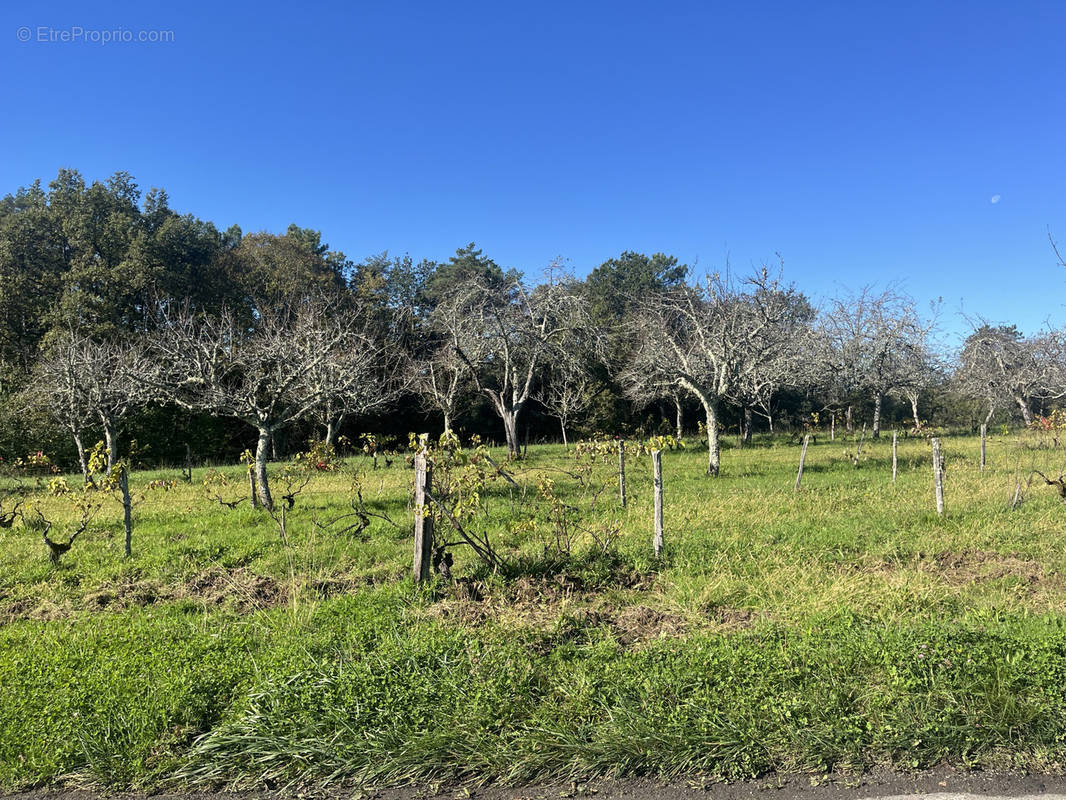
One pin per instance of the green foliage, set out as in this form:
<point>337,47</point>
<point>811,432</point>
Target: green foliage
<point>614,285</point>
<point>469,264</point>
<point>362,693</point>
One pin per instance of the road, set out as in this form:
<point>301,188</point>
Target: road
<point>940,784</point>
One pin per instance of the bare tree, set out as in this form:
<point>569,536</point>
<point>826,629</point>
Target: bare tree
<point>117,385</point>
<point>504,332</point>
<point>58,387</point>
<point>921,369</point>
<point>440,373</point>
<point>81,379</point>
<point>289,363</point>
<point>366,379</point>
<point>784,365</point>
<point>707,340</point>
<point>567,387</point>
<point>869,338</point>
<point>999,366</point>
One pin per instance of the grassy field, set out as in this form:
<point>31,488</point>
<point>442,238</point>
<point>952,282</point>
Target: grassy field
<point>838,627</point>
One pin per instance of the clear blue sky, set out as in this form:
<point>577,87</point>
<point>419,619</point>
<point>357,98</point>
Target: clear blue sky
<point>863,141</point>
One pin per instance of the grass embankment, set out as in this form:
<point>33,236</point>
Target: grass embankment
<point>838,627</point>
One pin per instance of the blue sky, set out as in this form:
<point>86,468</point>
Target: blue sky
<point>864,142</point>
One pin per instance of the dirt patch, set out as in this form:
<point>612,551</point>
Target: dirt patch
<point>734,619</point>
<point>636,624</point>
<point>560,617</point>
<point>239,589</point>
<point>569,586</point>
<point>333,585</point>
<point>964,567</point>
<point>126,594</point>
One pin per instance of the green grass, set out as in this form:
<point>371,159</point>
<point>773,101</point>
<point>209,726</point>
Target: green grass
<point>839,627</point>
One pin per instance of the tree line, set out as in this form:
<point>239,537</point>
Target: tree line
<point>125,321</point>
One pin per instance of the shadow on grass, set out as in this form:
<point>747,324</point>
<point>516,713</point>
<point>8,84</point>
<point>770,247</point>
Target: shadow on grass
<point>589,570</point>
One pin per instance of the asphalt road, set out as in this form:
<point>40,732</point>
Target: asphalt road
<point>939,784</point>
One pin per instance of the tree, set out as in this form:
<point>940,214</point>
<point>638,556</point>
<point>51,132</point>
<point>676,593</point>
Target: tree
<point>104,290</point>
<point>999,366</point>
<point>468,267</point>
<point>369,378</point>
<point>784,364</point>
<point>505,332</point>
<point>707,340</point>
<point>617,283</point>
<point>921,369</point>
<point>81,379</point>
<point>439,371</point>
<point>870,344</point>
<point>58,387</point>
<point>614,290</point>
<point>117,383</point>
<point>31,265</point>
<point>277,270</point>
<point>567,386</point>
<point>290,362</point>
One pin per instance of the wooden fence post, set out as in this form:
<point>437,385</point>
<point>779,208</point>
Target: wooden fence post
<point>832,426</point>
<point>895,452</point>
<point>622,472</point>
<point>657,469</point>
<point>251,486</point>
<point>423,556</point>
<point>803,457</point>
<point>127,508</point>
<point>938,476</point>
<point>984,434</point>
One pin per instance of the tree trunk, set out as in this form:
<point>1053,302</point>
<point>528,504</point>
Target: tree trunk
<point>510,430</point>
<point>914,413</point>
<point>333,428</point>
<point>83,460</point>
<point>680,418</point>
<point>770,421</point>
<point>849,423</point>
<point>447,422</point>
<point>262,456</point>
<point>747,424</point>
<point>562,424</point>
<point>111,442</point>
<point>876,433</point>
<point>1027,415</point>
<point>713,450</point>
